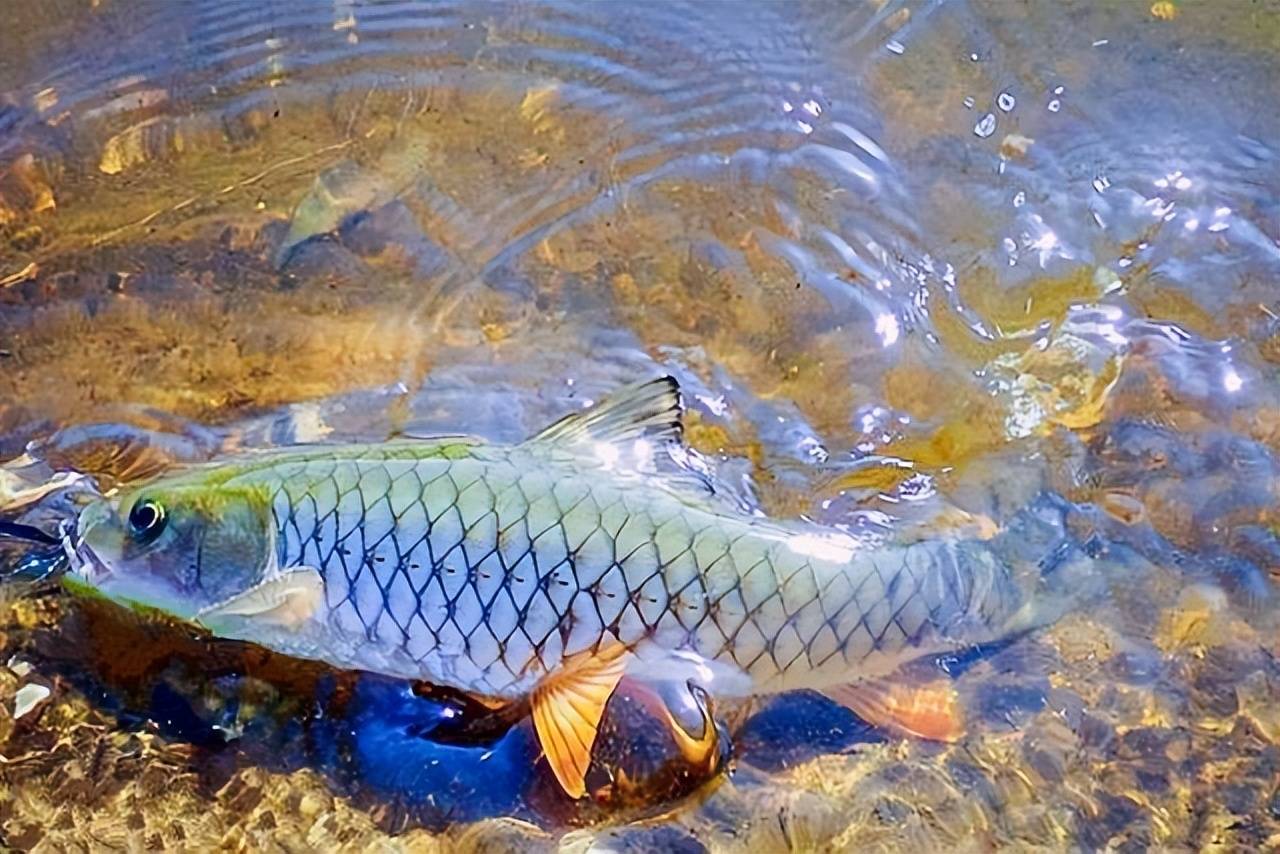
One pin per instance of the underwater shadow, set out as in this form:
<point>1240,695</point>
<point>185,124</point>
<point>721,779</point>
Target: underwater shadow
<point>413,755</point>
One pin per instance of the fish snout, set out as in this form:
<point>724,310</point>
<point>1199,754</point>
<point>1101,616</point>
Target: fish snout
<point>94,531</point>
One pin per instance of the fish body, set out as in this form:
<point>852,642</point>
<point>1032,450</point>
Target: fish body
<point>497,570</point>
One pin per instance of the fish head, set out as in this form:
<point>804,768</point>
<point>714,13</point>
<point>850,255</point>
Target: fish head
<point>177,545</point>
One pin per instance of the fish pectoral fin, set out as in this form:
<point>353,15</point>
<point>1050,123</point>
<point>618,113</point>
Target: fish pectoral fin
<point>567,707</point>
<point>288,599</point>
<point>929,710</point>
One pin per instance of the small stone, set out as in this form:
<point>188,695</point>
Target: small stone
<point>511,834</point>
<point>311,805</point>
<point>1015,145</point>
<point>27,698</point>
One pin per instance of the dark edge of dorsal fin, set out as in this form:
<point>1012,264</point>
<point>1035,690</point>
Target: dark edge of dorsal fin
<point>650,408</point>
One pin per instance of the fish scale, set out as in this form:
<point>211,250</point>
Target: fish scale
<point>487,570</point>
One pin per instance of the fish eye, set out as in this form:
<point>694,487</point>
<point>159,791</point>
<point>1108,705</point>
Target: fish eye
<point>146,520</point>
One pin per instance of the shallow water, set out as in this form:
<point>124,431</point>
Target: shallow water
<point>930,265</point>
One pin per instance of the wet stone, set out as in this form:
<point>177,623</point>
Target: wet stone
<point>1239,798</point>
<point>1273,804</point>
<point>1154,780</point>
<point>793,728</point>
<point>500,835</point>
<point>892,811</point>
<point>323,262</point>
<point>1138,844</point>
<point>1117,814</point>
<point>1143,743</point>
<point>971,780</point>
<point>1048,766</point>
<point>1134,667</point>
<point>675,840</point>
<point>1009,704</point>
<point>1215,693</point>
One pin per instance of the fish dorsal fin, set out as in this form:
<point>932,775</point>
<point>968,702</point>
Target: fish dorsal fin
<point>650,408</point>
<point>638,429</point>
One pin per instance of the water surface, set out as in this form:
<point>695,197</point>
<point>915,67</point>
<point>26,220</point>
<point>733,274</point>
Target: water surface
<point>931,266</point>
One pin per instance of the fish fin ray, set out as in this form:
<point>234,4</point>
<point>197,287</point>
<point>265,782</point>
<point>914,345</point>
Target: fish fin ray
<point>650,408</point>
<point>929,710</point>
<point>567,707</point>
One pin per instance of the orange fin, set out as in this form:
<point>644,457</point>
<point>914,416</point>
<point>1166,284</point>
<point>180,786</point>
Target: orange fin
<point>929,710</point>
<point>567,708</point>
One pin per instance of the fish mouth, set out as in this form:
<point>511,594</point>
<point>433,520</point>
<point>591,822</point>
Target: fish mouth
<point>84,563</point>
<point>81,560</point>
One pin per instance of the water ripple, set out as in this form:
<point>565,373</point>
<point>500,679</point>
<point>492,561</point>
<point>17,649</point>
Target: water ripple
<point>699,93</point>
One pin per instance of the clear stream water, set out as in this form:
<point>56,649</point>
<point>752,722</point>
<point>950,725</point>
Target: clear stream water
<point>919,267</point>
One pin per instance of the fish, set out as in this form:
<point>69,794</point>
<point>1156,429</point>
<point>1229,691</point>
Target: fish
<point>541,572</point>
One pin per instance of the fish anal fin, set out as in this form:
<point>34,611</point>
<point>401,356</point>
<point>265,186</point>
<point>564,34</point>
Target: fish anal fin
<point>929,710</point>
<point>650,408</point>
<point>567,707</point>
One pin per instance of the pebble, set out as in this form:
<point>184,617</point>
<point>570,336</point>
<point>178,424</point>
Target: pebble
<point>27,698</point>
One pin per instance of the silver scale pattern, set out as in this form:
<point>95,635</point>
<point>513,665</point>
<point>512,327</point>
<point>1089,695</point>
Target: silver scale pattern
<point>491,568</point>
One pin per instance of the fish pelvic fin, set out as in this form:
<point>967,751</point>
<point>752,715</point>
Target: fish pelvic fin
<point>567,707</point>
<point>650,408</point>
<point>929,710</point>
